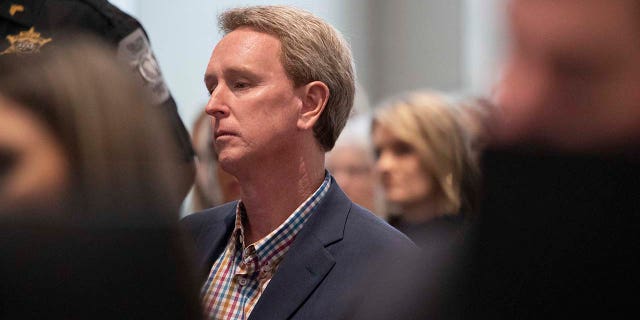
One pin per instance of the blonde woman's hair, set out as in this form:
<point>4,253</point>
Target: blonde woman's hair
<point>312,50</point>
<point>430,125</point>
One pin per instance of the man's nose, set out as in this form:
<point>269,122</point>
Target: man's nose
<point>217,106</point>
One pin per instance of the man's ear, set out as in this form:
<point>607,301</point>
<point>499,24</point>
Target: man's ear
<point>314,99</point>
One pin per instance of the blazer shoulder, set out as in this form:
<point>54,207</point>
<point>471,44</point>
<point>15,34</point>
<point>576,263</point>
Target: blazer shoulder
<point>365,227</point>
<point>196,222</point>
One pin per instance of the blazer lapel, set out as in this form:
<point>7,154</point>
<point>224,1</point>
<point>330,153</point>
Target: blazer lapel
<point>213,240</point>
<point>308,261</point>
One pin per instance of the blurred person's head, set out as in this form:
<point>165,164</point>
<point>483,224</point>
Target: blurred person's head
<point>310,51</point>
<point>352,164</point>
<point>87,156</point>
<point>423,157</point>
<point>213,186</point>
<point>34,166</point>
<point>476,116</point>
<point>206,192</point>
<point>102,146</point>
<point>572,79</point>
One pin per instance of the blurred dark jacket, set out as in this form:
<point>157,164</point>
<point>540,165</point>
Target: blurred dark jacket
<point>557,236</point>
<point>88,268</point>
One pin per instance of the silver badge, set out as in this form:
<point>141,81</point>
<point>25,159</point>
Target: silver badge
<point>135,50</point>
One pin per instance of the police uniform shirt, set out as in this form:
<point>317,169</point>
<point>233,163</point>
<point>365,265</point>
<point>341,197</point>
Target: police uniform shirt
<point>27,26</point>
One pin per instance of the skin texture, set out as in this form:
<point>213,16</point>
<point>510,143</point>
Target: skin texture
<point>572,83</point>
<point>229,186</point>
<point>263,127</point>
<point>252,100</point>
<point>38,173</point>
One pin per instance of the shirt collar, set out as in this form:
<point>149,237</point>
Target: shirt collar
<point>270,248</point>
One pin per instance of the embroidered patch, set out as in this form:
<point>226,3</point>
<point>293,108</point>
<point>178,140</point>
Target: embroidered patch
<point>135,51</point>
<point>25,42</point>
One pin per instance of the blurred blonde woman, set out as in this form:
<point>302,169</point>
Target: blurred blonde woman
<point>428,172</point>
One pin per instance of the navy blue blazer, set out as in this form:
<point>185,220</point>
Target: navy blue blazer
<point>336,248</point>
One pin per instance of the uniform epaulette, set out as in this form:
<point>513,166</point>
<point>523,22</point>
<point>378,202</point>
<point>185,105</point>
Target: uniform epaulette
<point>122,23</point>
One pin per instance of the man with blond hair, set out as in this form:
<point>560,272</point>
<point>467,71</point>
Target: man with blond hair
<point>282,86</point>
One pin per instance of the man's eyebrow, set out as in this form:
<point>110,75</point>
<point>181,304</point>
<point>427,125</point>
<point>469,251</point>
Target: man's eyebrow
<point>240,71</point>
<point>231,72</point>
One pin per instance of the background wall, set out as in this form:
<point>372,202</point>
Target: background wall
<point>448,45</point>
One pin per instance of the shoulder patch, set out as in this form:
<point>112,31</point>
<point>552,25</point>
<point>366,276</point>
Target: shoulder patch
<point>25,42</point>
<point>135,51</point>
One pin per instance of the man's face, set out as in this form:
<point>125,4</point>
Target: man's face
<point>572,79</point>
<point>254,104</point>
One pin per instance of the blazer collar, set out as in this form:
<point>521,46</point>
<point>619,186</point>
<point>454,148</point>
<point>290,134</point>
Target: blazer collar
<point>215,237</point>
<point>308,260</point>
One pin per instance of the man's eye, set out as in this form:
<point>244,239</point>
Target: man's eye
<point>240,85</point>
<point>211,88</point>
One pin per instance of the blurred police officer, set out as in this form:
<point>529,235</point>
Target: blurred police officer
<point>29,26</point>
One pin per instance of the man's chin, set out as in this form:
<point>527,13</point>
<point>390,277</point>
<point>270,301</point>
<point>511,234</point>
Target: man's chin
<point>229,161</point>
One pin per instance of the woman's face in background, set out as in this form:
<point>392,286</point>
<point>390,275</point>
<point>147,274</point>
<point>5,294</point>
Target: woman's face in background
<point>34,169</point>
<point>404,179</point>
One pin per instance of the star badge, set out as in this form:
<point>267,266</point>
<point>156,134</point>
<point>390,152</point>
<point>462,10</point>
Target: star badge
<point>25,42</point>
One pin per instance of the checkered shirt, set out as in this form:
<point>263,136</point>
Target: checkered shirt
<point>239,277</point>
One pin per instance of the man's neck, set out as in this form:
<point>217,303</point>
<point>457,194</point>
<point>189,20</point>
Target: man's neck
<point>271,193</point>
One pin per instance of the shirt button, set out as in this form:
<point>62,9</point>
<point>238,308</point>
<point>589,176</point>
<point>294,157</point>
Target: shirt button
<point>243,281</point>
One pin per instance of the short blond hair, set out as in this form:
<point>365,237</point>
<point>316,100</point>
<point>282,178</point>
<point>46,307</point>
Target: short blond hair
<point>312,50</point>
<point>428,123</point>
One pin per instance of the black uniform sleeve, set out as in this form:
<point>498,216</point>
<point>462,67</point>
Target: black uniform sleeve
<point>134,49</point>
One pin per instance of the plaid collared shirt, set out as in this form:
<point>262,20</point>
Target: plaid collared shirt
<point>239,276</point>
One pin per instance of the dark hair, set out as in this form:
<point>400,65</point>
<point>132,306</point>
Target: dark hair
<point>115,142</point>
<point>116,250</point>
